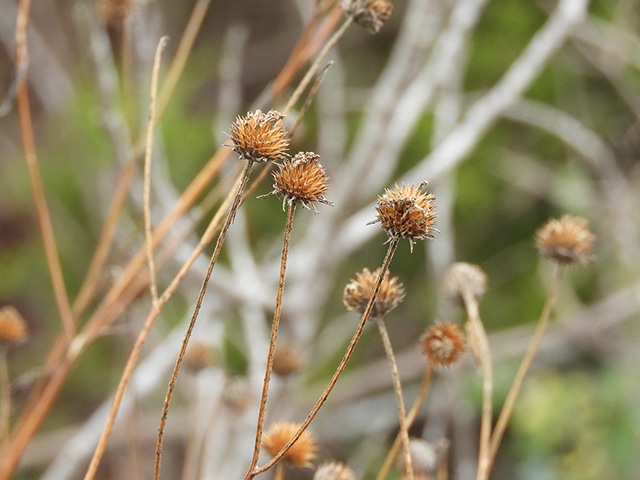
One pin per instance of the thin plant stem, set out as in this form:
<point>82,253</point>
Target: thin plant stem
<point>5,399</point>
<point>274,334</point>
<point>411,417</point>
<point>397,388</point>
<point>279,475</point>
<point>486,366</point>
<point>316,65</point>
<point>525,366</point>
<point>393,245</point>
<point>203,289</point>
<point>148,155</point>
<point>39,198</point>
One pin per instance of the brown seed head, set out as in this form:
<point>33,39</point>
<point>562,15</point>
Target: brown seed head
<point>301,454</point>
<point>406,212</point>
<point>301,180</point>
<point>260,137</point>
<point>199,356</point>
<point>461,277</point>
<point>359,290</point>
<point>334,471</point>
<point>565,240</point>
<point>287,360</point>
<point>369,14</point>
<point>13,328</point>
<point>443,344</point>
<point>114,12</point>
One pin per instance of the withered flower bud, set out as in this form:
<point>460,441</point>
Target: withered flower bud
<point>359,290</point>
<point>301,180</point>
<point>369,14</point>
<point>565,240</point>
<point>334,471</point>
<point>426,456</point>
<point>406,212</point>
<point>461,277</point>
<point>443,344</point>
<point>287,360</point>
<point>13,328</point>
<point>260,137</point>
<point>199,356</point>
<point>301,454</point>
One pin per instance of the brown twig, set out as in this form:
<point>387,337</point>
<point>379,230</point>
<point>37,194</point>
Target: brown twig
<point>274,334</point>
<point>397,388</point>
<point>393,245</point>
<point>523,370</point>
<point>5,399</point>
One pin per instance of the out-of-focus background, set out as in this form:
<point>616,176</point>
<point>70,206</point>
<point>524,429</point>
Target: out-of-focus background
<point>514,111</point>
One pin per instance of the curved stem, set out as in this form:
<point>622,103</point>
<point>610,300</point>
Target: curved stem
<point>274,334</point>
<point>397,388</point>
<point>393,245</point>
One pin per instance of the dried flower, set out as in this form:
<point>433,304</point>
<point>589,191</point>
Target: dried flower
<point>426,456</point>
<point>237,394</point>
<point>369,14</point>
<point>199,356</point>
<point>13,328</point>
<point>301,454</point>
<point>565,240</point>
<point>359,290</point>
<point>406,212</point>
<point>443,344</point>
<point>301,180</point>
<point>115,11</point>
<point>461,277</point>
<point>260,137</point>
<point>287,360</point>
<point>334,471</point>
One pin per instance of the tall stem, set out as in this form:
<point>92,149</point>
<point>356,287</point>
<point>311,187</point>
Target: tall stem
<point>274,334</point>
<point>393,245</point>
<point>525,366</point>
<point>397,388</point>
<point>5,398</point>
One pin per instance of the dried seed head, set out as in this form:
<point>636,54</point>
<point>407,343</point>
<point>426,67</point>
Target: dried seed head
<point>260,137</point>
<point>199,356</point>
<point>13,328</point>
<point>369,14</point>
<point>301,454</point>
<point>443,344</point>
<point>406,212</point>
<point>334,471</point>
<point>461,277</point>
<point>237,394</point>
<point>301,180</point>
<point>287,360</point>
<point>565,240</point>
<point>425,456</point>
<point>114,12</point>
<point>359,290</point>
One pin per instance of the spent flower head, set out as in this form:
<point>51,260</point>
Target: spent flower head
<point>359,290</point>
<point>287,360</point>
<point>369,14</point>
<point>425,456</point>
<point>406,212</point>
<point>443,344</point>
<point>334,471</point>
<point>301,454</point>
<point>260,137</point>
<point>301,180</point>
<point>566,239</point>
<point>13,328</point>
<point>461,277</point>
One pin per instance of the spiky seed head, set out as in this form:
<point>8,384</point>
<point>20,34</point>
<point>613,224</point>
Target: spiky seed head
<point>566,239</point>
<point>199,356</point>
<point>461,277</point>
<point>369,14</point>
<point>425,456</point>
<point>13,327</point>
<point>359,290</point>
<point>334,471</point>
<point>287,360</point>
<point>301,180</point>
<point>115,12</point>
<point>406,212</point>
<point>443,344</point>
<point>301,454</point>
<point>260,137</point>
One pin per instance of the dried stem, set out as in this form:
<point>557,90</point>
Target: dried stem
<point>147,169</point>
<point>411,416</point>
<point>486,366</point>
<point>397,388</point>
<point>279,475</point>
<point>274,334</point>
<point>5,399</point>
<point>185,341</point>
<point>393,245</point>
<point>525,366</point>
